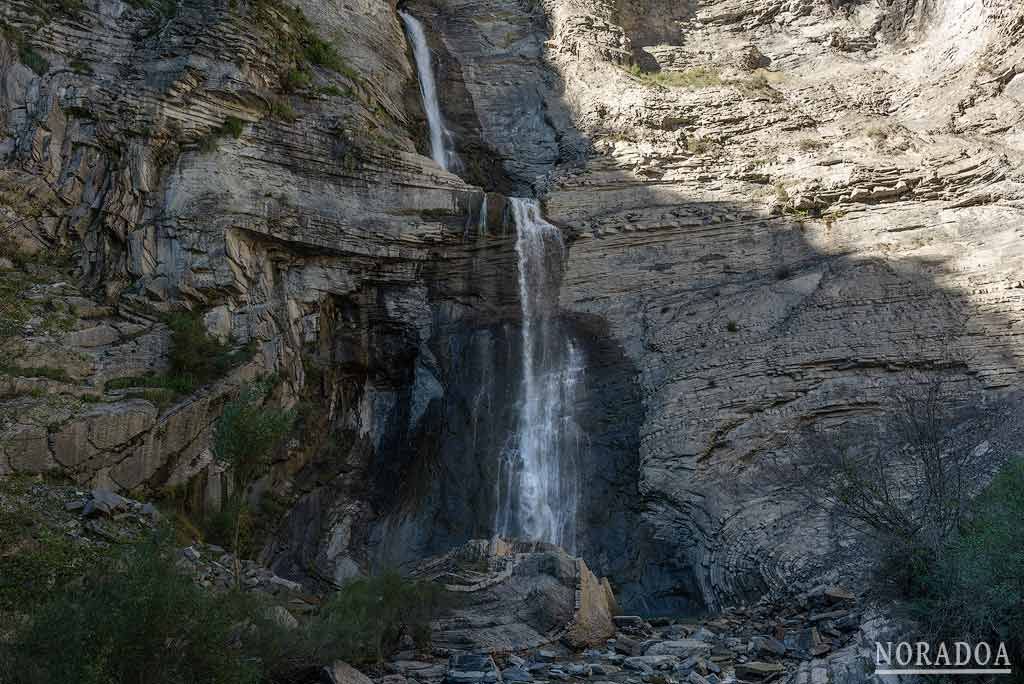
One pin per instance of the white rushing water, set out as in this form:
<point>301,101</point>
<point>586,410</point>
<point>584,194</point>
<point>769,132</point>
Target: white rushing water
<point>441,149</point>
<point>538,487</point>
<point>538,480</point>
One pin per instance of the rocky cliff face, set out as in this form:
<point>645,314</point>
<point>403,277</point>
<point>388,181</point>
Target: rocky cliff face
<point>811,201</point>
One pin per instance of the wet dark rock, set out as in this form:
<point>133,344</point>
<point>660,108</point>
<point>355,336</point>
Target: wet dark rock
<point>104,502</point>
<point>628,646</point>
<point>683,648</point>
<point>837,594</point>
<point>517,596</point>
<point>828,615</point>
<point>516,674</point>
<point>630,623</point>
<point>649,663</point>
<point>757,670</point>
<point>763,644</point>
<point>473,668</point>
<point>803,640</point>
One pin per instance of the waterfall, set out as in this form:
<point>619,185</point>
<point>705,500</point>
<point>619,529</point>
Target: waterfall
<point>481,224</point>
<point>538,486</point>
<point>441,148</point>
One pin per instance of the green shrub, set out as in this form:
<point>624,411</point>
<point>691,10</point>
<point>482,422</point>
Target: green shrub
<point>245,437</point>
<point>248,432</point>
<point>36,560</point>
<point>295,80</point>
<point>364,621</point>
<point>697,77</point>
<point>196,359</point>
<point>331,90</point>
<point>811,144</point>
<point>33,60</point>
<point>318,51</point>
<point>282,110</point>
<point>974,589</point>
<point>134,617</point>
<point>195,356</point>
<point>232,126</point>
<point>134,620</point>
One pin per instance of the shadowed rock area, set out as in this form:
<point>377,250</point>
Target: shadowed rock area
<point>507,597</point>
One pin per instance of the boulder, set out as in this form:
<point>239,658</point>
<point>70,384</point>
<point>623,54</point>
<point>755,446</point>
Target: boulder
<point>839,595</point>
<point>98,336</point>
<point>757,670</point>
<point>802,640</point>
<point>508,597</point>
<point>104,502</point>
<point>595,604</point>
<point>764,644</point>
<point>281,616</point>
<point>516,674</point>
<point>629,622</point>
<point>343,673</point>
<point>627,646</point>
<point>683,648</point>
<point>649,663</point>
<point>472,668</point>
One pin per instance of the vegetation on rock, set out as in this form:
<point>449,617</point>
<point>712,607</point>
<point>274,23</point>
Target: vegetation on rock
<point>246,436</point>
<point>368,617</point>
<point>196,358</point>
<point>86,608</point>
<point>974,588</point>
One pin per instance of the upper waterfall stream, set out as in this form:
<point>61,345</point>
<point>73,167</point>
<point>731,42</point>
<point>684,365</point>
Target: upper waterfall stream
<point>441,148</point>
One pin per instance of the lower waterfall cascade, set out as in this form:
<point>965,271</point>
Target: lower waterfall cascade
<point>538,486</point>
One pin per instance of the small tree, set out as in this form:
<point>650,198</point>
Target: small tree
<point>904,478</point>
<point>975,588</point>
<point>244,439</point>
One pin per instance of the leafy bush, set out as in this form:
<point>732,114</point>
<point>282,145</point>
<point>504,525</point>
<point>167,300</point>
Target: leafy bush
<point>811,144</point>
<point>974,589</point>
<point>135,620</point>
<point>248,432</point>
<point>318,51</point>
<point>295,80</point>
<point>364,622</point>
<point>232,126</point>
<point>194,353</point>
<point>697,77</point>
<point>33,60</point>
<point>280,109</point>
<point>35,560</point>
<point>196,358</point>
